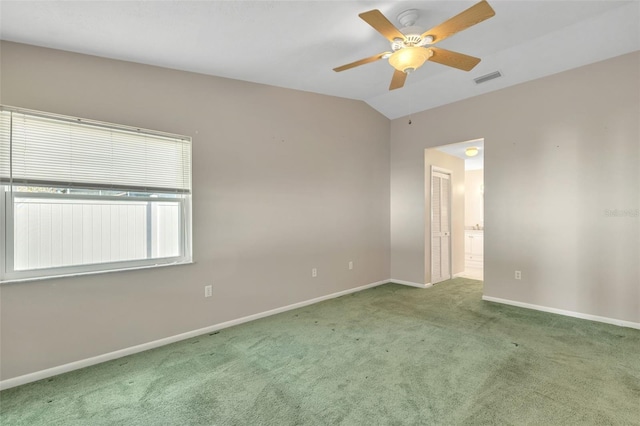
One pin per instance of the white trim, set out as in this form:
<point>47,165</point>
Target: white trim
<point>106,271</point>
<point>75,365</point>
<point>606,320</point>
<point>439,169</point>
<point>411,284</point>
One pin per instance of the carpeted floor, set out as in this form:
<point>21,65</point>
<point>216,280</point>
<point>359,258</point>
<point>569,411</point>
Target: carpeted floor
<point>391,355</point>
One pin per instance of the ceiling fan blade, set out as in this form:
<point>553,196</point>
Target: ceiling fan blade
<point>380,23</point>
<point>398,79</point>
<point>453,59</point>
<point>360,62</point>
<point>474,15</point>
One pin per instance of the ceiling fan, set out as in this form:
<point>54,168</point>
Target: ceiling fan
<point>410,49</point>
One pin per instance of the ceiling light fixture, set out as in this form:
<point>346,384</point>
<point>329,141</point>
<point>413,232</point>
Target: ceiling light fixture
<point>409,58</point>
<point>471,152</point>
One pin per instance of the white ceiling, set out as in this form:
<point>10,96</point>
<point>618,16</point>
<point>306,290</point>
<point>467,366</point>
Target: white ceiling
<point>458,150</point>
<point>296,44</point>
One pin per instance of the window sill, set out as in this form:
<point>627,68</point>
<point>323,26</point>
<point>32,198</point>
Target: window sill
<point>79,274</point>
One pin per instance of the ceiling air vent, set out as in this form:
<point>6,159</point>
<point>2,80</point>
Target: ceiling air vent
<point>487,77</point>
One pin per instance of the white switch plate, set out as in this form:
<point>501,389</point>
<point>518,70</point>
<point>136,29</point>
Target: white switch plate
<point>208,291</point>
<point>518,275</point>
<point>314,272</point>
<point>350,265</point>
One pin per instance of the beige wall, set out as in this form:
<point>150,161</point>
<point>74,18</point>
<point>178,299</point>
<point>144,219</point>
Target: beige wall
<point>473,198</point>
<point>283,181</point>
<point>560,152</point>
<point>435,158</point>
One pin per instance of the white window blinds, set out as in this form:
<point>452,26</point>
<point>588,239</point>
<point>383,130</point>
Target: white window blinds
<point>39,149</point>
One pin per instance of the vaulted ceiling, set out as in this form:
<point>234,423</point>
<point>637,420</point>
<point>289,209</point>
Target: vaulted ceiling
<point>296,44</point>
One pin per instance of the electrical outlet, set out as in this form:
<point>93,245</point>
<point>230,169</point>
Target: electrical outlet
<point>208,291</point>
<point>314,272</point>
<point>351,265</point>
<point>518,275</point>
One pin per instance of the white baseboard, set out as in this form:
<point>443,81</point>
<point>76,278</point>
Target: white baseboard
<point>409,283</point>
<point>65,368</point>
<point>580,315</point>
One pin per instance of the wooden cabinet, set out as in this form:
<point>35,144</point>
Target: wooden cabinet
<point>473,248</point>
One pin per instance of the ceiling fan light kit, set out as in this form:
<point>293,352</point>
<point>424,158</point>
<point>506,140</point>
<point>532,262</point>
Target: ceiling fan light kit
<point>409,47</point>
<point>409,59</point>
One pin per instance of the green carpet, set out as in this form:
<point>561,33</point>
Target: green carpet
<point>391,355</point>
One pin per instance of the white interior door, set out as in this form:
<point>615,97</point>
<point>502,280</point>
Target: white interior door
<point>440,226</point>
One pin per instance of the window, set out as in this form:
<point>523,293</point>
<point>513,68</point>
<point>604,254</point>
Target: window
<point>79,196</point>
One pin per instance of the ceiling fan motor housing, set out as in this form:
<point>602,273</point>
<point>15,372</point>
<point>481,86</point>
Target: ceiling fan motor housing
<point>411,40</point>
<point>412,32</point>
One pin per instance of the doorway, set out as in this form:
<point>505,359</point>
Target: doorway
<point>464,255</point>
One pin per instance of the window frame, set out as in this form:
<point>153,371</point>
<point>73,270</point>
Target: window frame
<point>7,224</point>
